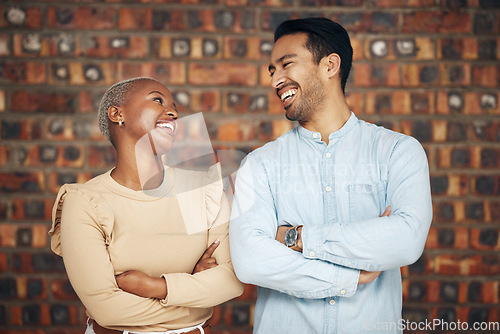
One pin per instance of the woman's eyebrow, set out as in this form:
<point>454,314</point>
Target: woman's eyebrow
<point>155,91</point>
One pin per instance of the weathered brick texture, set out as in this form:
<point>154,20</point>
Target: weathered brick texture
<point>427,68</point>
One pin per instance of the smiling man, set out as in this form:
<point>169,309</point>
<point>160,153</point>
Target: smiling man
<point>324,216</point>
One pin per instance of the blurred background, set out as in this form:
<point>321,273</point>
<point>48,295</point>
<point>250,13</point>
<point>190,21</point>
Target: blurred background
<point>427,68</point>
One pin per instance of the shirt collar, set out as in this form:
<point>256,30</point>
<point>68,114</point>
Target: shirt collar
<point>316,136</point>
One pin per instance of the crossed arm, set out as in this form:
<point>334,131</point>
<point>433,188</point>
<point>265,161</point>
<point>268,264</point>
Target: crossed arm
<point>332,252</point>
<point>143,285</point>
<point>364,276</point>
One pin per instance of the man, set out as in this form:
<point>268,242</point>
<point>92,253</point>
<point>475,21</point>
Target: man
<point>309,225</point>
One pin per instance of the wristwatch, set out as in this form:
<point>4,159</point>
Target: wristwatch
<point>291,237</point>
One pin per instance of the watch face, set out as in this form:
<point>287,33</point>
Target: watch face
<point>291,237</point>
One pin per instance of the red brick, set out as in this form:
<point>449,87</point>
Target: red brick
<point>483,130</point>
<point>485,185</point>
<point>27,129</point>
<point>372,21</point>
<point>486,76</point>
<point>357,47</point>
<point>485,239</point>
<point>469,103</point>
<point>235,21</point>
<point>3,262</point>
<point>261,3</point>
<point>40,236</point>
<point>98,18</point>
<point>102,156</point>
<point>23,209</point>
<point>5,49</point>
<point>24,101</point>
<point>57,179</point>
<point>48,45</point>
<point>4,207</point>
<point>490,292</point>
<point>33,18</point>
<point>402,3</point>
<point>236,130</point>
<point>222,74</point>
<point>437,22</point>
<point>355,101</point>
<point>249,293</point>
<point>7,235</point>
<point>22,182</point>
<point>243,48</point>
<point>134,18</point>
<point>366,75</point>
<point>460,239</point>
<point>171,73</point>
<point>23,289</point>
<point>85,74</point>
<point>421,48</point>
<point>205,101</point>
<point>2,100</point>
<point>455,74</point>
<point>49,155</point>
<point>109,46</point>
<point>25,72</point>
<point>61,290</point>
<point>419,75</point>
<point>4,155</point>
<point>271,130</point>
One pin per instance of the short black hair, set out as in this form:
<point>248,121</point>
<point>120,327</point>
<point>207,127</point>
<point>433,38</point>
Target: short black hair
<point>324,37</point>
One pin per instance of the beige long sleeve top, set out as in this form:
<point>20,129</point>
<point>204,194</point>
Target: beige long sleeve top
<point>102,229</point>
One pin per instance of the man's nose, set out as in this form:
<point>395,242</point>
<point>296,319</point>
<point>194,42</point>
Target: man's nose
<point>277,80</point>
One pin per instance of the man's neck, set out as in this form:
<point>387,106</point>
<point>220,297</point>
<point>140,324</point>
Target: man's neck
<point>328,119</point>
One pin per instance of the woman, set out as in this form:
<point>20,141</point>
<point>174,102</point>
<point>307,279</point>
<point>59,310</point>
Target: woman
<point>125,235</point>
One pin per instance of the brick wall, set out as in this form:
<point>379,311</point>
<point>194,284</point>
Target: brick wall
<point>427,68</point>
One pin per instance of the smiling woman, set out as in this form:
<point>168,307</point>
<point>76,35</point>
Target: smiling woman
<point>125,240</point>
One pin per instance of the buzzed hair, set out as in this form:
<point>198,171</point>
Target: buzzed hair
<point>116,95</point>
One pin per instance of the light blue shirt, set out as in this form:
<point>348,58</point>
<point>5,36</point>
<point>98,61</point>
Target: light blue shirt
<point>338,192</point>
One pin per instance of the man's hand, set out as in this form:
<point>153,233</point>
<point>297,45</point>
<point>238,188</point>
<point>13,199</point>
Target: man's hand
<point>280,235</point>
<point>207,261</point>
<point>141,284</point>
<point>369,276</point>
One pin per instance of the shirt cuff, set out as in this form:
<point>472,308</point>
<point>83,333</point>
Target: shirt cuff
<point>164,302</point>
<point>313,239</point>
<point>346,281</point>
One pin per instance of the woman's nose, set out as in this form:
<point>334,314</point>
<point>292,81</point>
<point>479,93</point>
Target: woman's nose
<point>172,113</point>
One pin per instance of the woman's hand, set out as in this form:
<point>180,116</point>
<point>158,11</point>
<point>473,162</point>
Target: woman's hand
<point>141,284</point>
<point>207,261</point>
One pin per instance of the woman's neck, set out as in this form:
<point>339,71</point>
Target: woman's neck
<point>138,171</point>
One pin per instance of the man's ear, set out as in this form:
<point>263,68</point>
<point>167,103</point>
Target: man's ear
<point>114,114</point>
<point>332,63</point>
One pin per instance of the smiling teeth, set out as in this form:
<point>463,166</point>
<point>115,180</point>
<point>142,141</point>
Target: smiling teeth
<point>288,94</point>
<point>166,126</point>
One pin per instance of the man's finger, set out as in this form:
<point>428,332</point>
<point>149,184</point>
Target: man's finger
<point>210,250</point>
<point>387,212</point>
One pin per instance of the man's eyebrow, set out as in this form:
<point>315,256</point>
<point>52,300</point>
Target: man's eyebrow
<point>155,91</point>
<point>281,59</point>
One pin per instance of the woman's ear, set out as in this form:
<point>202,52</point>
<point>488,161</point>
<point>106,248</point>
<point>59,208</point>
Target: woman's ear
<point>114,114</point>
<point>332,63</point>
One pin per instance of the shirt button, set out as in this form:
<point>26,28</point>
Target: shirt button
<point>328,155</point>
<point>328,188</point>
<point>342,292</point>
<point>332,302</point>
<point>315,135</point>
<point>311,253</point>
